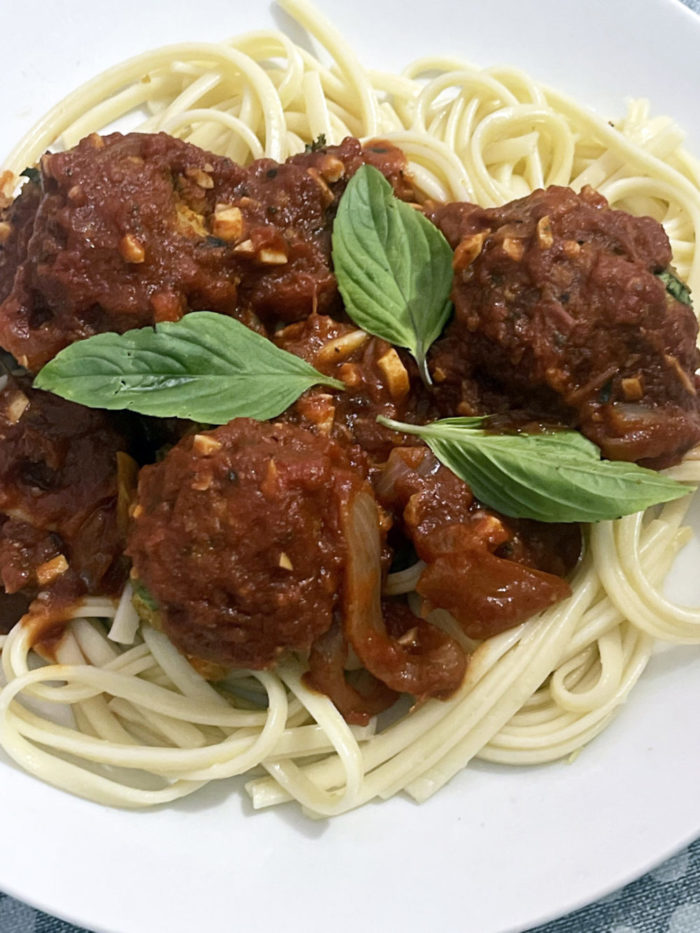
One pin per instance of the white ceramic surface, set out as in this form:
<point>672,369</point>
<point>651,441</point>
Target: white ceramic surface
<point>499,849</point>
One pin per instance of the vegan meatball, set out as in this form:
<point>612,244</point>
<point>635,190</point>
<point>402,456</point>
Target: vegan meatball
<point>237,536</point>
<point>125,231</point>
<point>561,309</point>
<point>59,496</point>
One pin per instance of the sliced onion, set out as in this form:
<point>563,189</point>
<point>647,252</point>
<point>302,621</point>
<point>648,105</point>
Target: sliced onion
<point>358,701</point>
<point>403,463</point>
<point>425,661</point>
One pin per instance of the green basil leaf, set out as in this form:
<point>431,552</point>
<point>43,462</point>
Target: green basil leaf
<point>550,477</point>
<point>552,438</point>
<point>146,606</point>
<point>675,287</point>
<point>317,144</point>
<point>139,590</point>
<point>206,367</point>
<point>32,173</point>
<point>394,268</point>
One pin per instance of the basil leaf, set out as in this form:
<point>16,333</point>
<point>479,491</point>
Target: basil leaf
<point>206,367</point>
<point>394,268</point>
<point>146,606</point>
<point>139,590</point>
<point>552,438</point>
<point>317,144</point>
<point>32,173</point>
<point>553,477</point>
<point>675,287</point>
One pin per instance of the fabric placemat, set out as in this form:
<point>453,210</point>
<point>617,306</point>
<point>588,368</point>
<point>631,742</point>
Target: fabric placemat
<point>667,900</point>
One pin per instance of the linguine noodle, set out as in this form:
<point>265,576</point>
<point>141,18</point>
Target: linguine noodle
<point>121,717</point>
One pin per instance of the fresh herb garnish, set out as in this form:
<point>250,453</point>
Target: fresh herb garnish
<point>140,592</point>
<point>207,367</point>
<point>394,268</point>
<point>394,271</point>
<point>147,607</point>
<point>317,144</point>
<point>675,287</point>
<point>605,392</point>
<point>33,174</point>
<point>550,477</point>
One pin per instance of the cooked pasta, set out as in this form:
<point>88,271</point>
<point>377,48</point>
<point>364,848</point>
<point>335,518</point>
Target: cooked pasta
<point>119,716</point>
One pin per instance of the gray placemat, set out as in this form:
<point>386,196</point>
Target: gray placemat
<point>667,900</point>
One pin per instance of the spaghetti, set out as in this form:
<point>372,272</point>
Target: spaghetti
<point>137,725</point>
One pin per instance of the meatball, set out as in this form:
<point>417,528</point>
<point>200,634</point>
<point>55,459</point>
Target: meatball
<point>59,495</point>
<point>237,536</point>
<point>115,243</point>
<point>16,223</point>
<point>125,231</point>
<point>559,309</point>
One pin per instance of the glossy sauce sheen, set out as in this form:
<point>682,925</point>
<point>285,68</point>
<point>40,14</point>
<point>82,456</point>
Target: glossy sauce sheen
<point>59,520</point>
<point>255,540</point>
<point>131,230</point>
<point>558,302</point>
<point>237,533</point>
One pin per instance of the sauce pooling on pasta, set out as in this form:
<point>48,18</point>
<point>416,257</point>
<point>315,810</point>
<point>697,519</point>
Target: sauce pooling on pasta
<point>256,540</point>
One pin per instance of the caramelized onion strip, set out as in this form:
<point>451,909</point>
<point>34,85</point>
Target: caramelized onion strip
<point>432,663</point>
<point>358,702</point>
